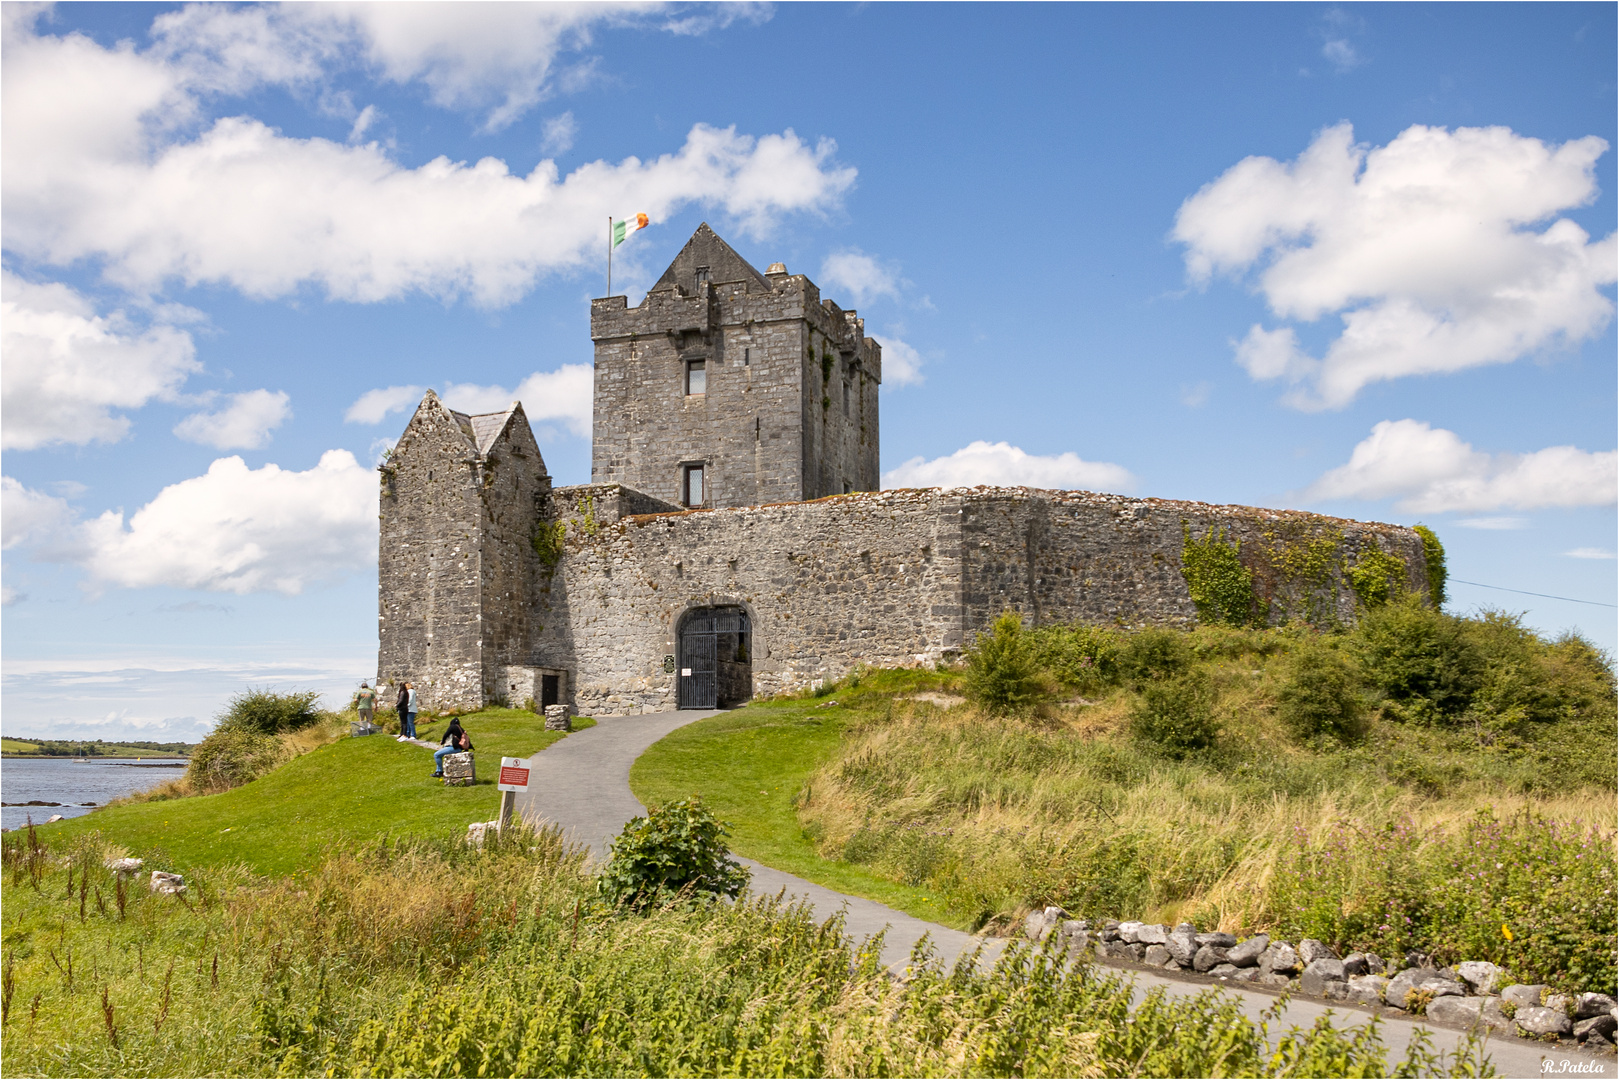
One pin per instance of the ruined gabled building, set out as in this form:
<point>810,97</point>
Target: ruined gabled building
<point>733,542</point>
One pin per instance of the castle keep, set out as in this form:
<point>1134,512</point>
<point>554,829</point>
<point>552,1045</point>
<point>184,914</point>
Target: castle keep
<point>733,542</point>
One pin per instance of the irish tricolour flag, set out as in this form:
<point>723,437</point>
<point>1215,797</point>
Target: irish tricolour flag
<point>622,229</point>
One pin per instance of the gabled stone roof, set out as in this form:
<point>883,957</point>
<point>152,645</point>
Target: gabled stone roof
<point>705,248</point>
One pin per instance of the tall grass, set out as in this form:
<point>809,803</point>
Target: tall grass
<point>440,960</point>
<point>1310,813</point>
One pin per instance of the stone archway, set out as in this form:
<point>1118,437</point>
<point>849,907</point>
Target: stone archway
<point>716,658</point>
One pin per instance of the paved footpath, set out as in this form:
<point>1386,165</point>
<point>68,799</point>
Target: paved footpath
<point>582,784</point>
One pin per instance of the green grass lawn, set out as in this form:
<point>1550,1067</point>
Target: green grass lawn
<point>27,748</point>
<point>748,765</point>
<point>353,789</point>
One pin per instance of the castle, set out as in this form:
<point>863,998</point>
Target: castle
<point>733,541</point>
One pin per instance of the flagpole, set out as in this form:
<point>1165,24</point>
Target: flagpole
<point>609,255</point>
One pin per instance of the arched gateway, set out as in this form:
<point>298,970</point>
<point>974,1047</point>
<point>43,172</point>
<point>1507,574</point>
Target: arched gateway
<point>716,658</point>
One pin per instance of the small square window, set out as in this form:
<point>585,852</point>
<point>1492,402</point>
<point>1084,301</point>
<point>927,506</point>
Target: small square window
<point>691,485</point>
<point>696,377</point>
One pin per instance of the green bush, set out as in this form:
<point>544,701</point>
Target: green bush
<point>1433,557</point>
<point>1220,586</point>
<point>1155,653</point>
<point>1002,676</point>
<point>269,713</point>
<point>230,757</point>
<point>676,849</point>
<point>1176,714</point>
<point>1423,660</point>
<point>1321,695</point>
<point>1078,657</point>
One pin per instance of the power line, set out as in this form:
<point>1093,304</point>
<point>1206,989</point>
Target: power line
<point>1523,592</point>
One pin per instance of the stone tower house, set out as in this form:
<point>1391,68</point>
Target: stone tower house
<point>728,387</point>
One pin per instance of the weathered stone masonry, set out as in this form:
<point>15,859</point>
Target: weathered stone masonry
<point>493,583</point>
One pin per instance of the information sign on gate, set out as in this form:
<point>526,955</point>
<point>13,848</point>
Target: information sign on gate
<point>513,774</point>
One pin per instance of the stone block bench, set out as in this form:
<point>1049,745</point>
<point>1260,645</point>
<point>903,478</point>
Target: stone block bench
<point>459,770</point>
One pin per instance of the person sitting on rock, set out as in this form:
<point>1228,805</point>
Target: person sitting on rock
<point>456,741</point>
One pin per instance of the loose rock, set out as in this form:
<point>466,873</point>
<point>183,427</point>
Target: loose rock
<point>1157,956</point>
<point>1247,953</point>
<point>125,867</point>
<point>1375,964</point>
<point>1127,931</point>
<point>1207,957</point>
<point>1311,950</point>
<point>1152,934</point>
<point>1524,995</point>
<point>1481,975</point>
<point>1218,940</point>
<point>1224,971</point>
<point>1318,973</point>
<point>1539,1020</point>
<point>1400,987</point>
<point>1367,989</point>
<point>1561,1002</point>
<point>1596,1025</point>
<point>1182,945</point>
<point>1442,988</point>
<point>1589,1005</point>
<point>1280,957</point>
<point>167,884</point>
<point>1355,964</point>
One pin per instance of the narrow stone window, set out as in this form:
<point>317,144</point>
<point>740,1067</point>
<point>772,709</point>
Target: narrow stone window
<point>747,356</point>
<point>702,275</point>
<point>696,377</point>
<point>691,485</point>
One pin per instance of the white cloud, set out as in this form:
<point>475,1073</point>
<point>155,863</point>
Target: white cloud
<point>1590,553</point>
<point>1003,465</point>
<point>902,364</point>
<point>1195,396</point>
<point>66,368</point>
<point>1431,470</point>
<point>99,165</point>
<point>1423,248</point>
<point>1341,55</point>
<point>558,133</point>
<point>562,395</point>
<point>374,406</point>
<point>242,530</point>
<point>9,596</point>
<point>859,276</point>
<point>29,515</point>
<point>243,424</point>
<point>1494,524</point>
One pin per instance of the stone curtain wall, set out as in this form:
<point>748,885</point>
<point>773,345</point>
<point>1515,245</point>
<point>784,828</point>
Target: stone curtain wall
<point>885,578</point>
<point>1079,556</point>
<point>430,573</point>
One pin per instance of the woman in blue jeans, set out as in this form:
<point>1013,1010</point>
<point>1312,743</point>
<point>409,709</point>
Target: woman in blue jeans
<point>455,741</point>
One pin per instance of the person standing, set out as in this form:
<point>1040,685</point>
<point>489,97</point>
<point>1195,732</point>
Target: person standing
<point>406,705</point>
<point>365,700</point>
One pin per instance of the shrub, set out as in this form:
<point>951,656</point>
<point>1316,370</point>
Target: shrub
<point>1433,557</point>
<point>1176,714</point>
<point>269,713</point>
<point>230,757</point>
<point>1320,694</point>
<point>1079,657</point>
<point>677,848</point>
<point>1154,653</point>
<point>1220,586</point>
<point>1422,659</point>
<point>1002,676</point>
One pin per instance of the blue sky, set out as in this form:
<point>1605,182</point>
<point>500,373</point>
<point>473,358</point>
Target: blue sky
<point>1354,259</point>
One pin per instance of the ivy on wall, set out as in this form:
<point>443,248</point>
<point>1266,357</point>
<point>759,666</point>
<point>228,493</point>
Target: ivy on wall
<point>1221,587</point>
<point>1303,562</point>
<point>1376,577</point>
<point>1433,555</point>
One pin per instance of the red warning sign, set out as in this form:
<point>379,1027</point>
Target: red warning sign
<point>513,775</point>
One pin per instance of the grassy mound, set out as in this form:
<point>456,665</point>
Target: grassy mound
<point>1424,782</point>
<point>345,790</point>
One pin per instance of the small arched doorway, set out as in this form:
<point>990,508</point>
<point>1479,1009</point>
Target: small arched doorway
<point>716,658</point>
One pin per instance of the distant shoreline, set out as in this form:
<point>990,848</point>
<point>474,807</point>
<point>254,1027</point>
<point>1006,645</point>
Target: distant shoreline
<point>93,757</point>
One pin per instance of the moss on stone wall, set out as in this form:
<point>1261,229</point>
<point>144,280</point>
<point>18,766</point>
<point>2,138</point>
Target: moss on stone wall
<point>1221,586</point>
<point>548,542</point>
<point>1303,560</point>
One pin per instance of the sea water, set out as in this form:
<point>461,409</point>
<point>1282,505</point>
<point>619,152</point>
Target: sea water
<point>74,784</point>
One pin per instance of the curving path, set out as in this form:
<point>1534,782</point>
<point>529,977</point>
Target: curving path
<point>582,784</point>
